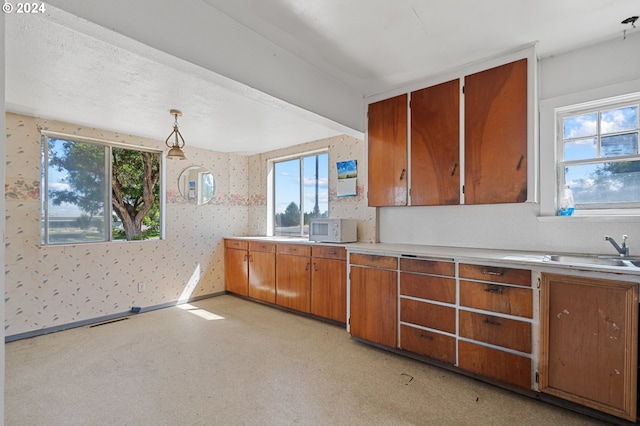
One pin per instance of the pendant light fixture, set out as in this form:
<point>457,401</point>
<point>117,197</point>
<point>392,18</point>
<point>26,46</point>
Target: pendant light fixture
<point>175,150</point>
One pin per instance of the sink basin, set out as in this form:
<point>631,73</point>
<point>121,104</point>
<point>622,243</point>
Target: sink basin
<point>629,262</point>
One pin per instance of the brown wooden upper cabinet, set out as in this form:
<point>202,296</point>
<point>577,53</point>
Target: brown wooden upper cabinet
<point>435,145</point>
<point>495,131</point>
<point>387,152</point>
<point>495,142</point>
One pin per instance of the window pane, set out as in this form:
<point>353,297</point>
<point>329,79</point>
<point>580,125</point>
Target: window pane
<point>580,126</point>
<point>616,145</point>
<point>287,198</point>
<point>316,188</point>
<point>76,192</point>
<point>135,173</point>
<point>619,120</point>
<point>580,149</point>
<point>617,182</point>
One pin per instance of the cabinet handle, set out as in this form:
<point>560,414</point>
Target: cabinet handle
<point>315,267</point>
<point>489,321</point>
<point>493,289</point>
<point>245,257</point>
<point>402,174</point>
<point>250,258</point>
<point>455,166</point>
<point>520,162</point>
<point>306,268</point>
<point>490,272</point>
<point>424,336</point>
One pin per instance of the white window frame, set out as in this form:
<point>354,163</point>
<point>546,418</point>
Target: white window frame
<point>596,106</point>
<point>271,191</point>
<point>45,134</point>
<point>549,151</point>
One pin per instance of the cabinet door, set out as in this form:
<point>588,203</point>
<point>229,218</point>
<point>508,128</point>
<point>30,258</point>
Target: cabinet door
<point>373,305</point>
<point>293,282</point>
<point>589,342</point>
<point>262,276</point>
<point>495,108</point>
<point>387,152</point>
<point>435,145</point>
<point>329,289</point>
<point>236,271</point>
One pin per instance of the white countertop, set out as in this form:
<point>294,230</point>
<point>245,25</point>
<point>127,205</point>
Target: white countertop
<point>508,257</point>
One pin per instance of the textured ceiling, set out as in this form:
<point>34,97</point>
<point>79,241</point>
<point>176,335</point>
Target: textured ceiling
<point>257,75</point>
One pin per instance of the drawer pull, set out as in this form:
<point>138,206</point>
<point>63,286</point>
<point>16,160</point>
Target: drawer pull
<point>493,289</point>
<point>490,272</point>
<point>426,336</point>
<point>491,322</point>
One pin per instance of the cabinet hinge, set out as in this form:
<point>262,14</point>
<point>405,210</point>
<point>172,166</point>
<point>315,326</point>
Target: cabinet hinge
<point>463,189</point>
<point>537,377</point>
<point>463,90</point>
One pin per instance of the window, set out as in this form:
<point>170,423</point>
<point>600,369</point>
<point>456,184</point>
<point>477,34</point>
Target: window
<point>599,155</point>
<point>301,192</point>
<point>94,191</point>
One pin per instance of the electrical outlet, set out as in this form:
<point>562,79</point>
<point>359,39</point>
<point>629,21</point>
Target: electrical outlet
<point>141,287</point>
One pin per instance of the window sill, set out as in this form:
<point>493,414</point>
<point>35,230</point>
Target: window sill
<point>588,219</point>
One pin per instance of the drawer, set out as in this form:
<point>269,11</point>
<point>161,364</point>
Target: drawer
<point>498,331</point>
<point>497,298</point>
<point>428,267</point>
<point>383,262</point>
<point>496,364</point>
<point>329,252</point>
<point>423,342</point>
<point>428,315</point>
<point>236,244</point>
<point>295,249</point>
<point>428,287</point>
<point>262,246</point>
<point>496,274</point>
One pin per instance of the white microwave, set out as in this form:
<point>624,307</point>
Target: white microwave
<point>333,230</point>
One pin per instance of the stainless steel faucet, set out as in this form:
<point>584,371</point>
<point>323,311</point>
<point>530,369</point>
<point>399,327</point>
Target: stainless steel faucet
<point>623,250</point>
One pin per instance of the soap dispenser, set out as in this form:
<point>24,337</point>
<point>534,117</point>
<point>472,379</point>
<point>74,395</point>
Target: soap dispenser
<point>566,202</point>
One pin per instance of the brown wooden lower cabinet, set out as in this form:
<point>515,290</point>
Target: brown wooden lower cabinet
<point>262,275</point>
<point>434,345</point>
<point>428,315</point>
<point>508,333</point>
<point>293,282</point>
<point>374,306</point>
<point>496,364</point>
<point>236,267</point>
<point>497,298</point>
<point>589,342</point>
<point>329,287</point>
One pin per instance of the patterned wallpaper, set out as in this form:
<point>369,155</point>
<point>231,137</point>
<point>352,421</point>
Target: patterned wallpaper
<point>50,286</point>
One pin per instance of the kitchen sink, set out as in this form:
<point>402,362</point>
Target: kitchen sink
<point>629,262</point>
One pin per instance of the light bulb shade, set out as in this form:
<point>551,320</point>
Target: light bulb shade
<point>176,153</point>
